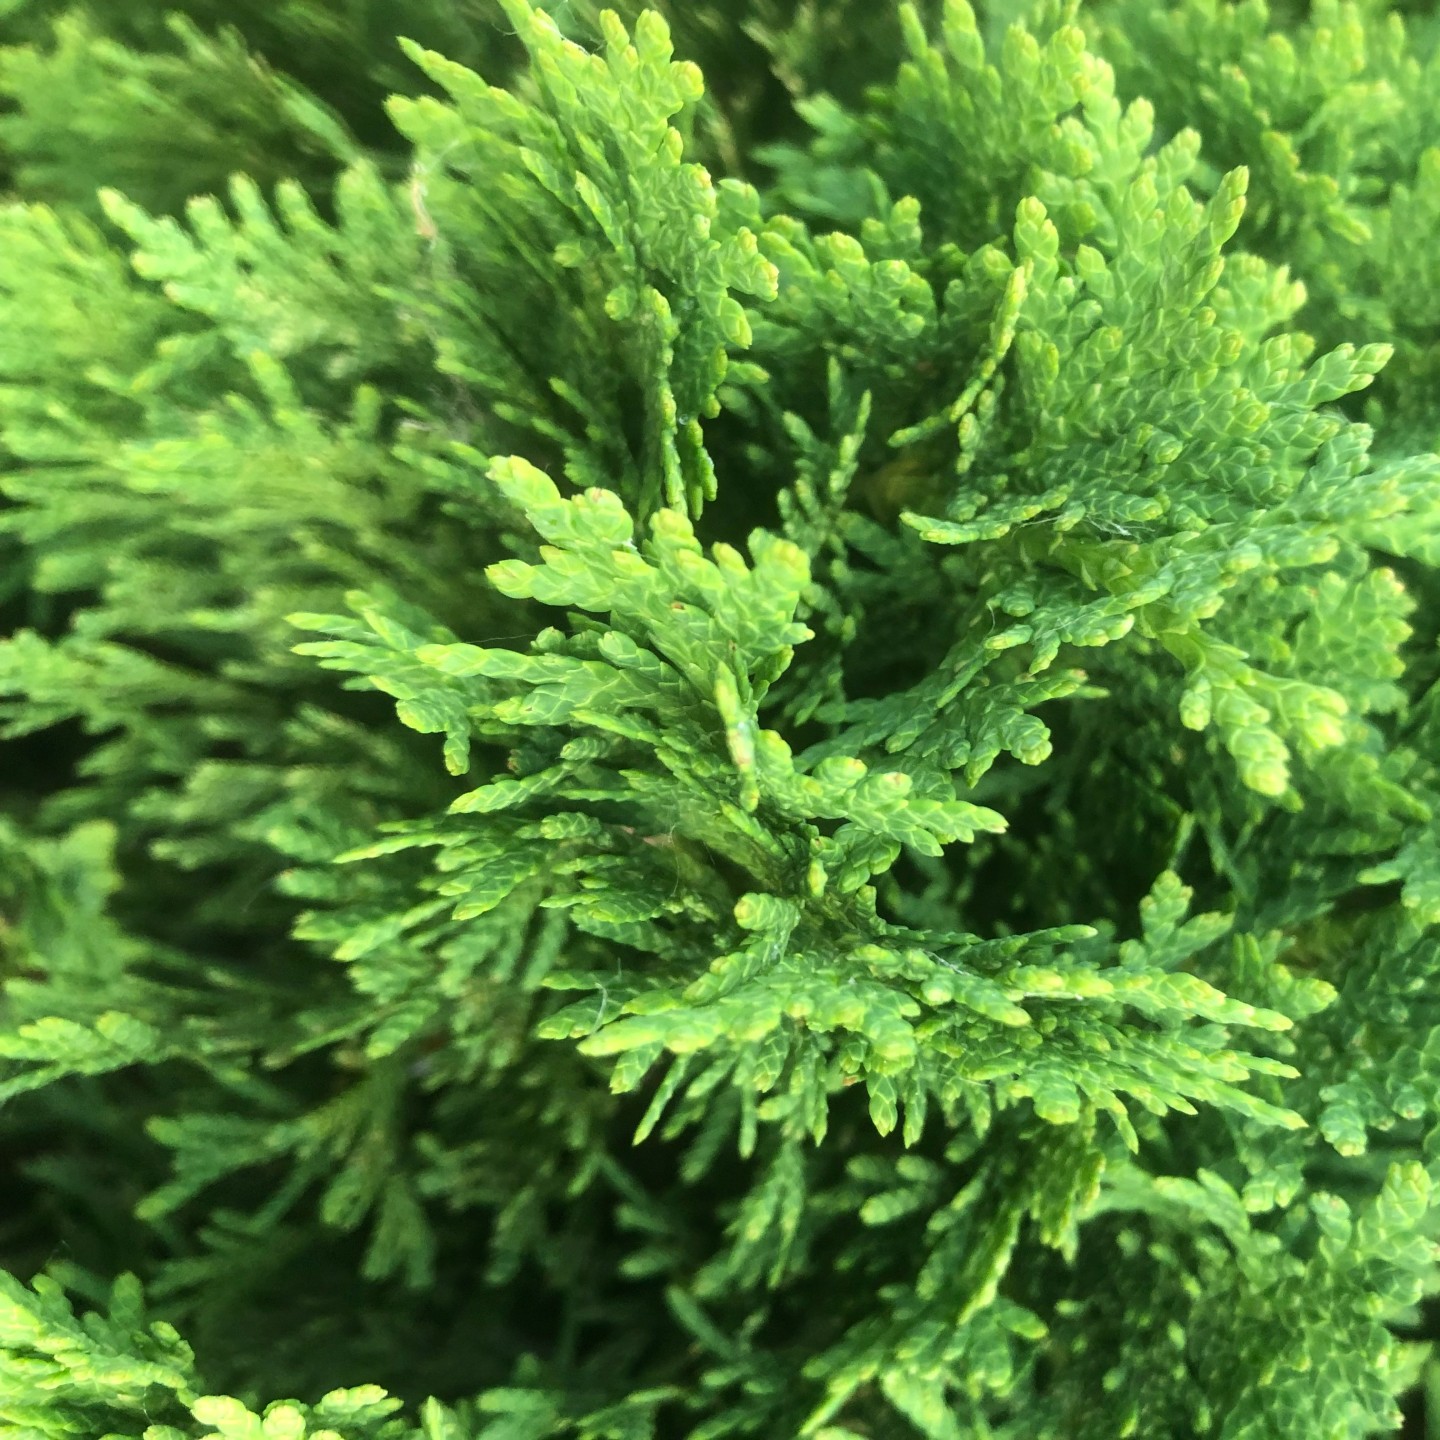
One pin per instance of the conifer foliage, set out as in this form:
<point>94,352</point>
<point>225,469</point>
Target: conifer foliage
<point>728,727</point>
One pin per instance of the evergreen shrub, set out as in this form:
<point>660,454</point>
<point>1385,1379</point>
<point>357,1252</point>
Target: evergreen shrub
<point>721,726</point>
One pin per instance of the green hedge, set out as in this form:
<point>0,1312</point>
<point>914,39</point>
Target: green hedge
<point>729,733</point>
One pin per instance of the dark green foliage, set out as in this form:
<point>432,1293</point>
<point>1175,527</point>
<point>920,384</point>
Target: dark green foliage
<point>720,726</point>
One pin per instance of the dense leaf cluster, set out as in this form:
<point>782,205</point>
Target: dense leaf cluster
<point>749,761</point>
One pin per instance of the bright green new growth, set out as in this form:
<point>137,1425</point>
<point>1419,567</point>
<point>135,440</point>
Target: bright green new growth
<point>801,804</point>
